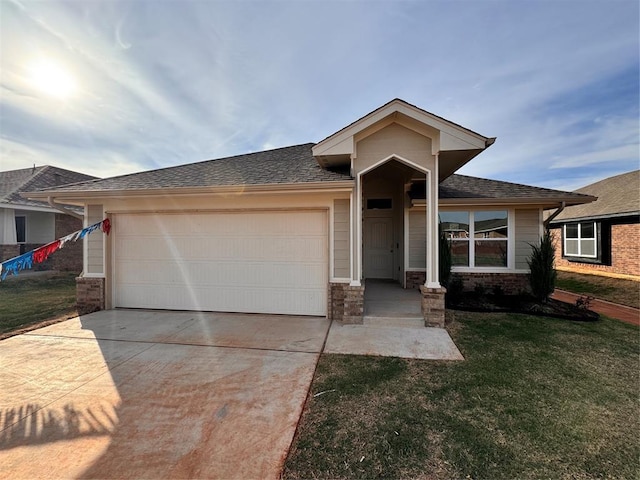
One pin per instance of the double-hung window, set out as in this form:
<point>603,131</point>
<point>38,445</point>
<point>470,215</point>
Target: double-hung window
<point>477,238</point>
<point>580,240</point>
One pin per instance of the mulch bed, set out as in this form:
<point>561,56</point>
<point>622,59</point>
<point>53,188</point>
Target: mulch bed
<point>474,302</point>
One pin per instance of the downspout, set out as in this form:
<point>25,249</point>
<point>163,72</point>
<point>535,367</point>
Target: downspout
<point>553,215</point>
<point>64,210</point>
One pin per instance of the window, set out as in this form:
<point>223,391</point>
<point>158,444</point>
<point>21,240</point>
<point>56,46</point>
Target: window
<point>379,204</point>
<point>580,240</point>
<point>21,229</point>
<point>477,238</point>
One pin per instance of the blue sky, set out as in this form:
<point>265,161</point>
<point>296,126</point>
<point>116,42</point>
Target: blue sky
<point>111,87</point>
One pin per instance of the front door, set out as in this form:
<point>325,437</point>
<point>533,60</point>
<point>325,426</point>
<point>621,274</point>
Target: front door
<point>378,247</point>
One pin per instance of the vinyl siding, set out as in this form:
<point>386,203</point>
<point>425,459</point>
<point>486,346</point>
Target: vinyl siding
<point>527,232</point>
<point>417,239</point>
<point>341,239</point>
<point>94,241</point>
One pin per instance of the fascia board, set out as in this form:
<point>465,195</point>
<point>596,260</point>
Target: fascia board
<point>28,208</point>
<point>61,196</point>
<point>542,202</point>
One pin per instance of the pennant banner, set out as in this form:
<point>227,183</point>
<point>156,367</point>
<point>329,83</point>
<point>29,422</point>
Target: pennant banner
<point>40,254</point>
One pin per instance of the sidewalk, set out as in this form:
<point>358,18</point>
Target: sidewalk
<point>613,310</point>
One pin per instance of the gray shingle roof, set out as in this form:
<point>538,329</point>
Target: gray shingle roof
<point>617,196</point>
<point>287,165</point>
<point>465,187</point>
<point>12,182</point>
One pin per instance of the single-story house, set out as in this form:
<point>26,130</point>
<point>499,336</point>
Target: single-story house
<point>602,237</point>
<point>299,230</point>
<point>26,224</point>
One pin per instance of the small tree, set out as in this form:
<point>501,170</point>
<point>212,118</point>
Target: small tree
<point>444,260</point>
<point>542,276</point>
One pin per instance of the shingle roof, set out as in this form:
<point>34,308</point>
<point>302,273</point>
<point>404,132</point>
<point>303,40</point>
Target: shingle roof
<point>465,187</point>
<point>617,196</point>
<point>288,165</point>
<point>12,182</point>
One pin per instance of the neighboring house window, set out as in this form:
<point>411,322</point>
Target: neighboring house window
<point>477,238</point>
<point>580,240</point>
<point>21,229</point>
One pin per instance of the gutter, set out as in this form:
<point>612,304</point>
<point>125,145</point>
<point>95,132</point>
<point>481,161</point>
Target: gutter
<point>64,210</point>
<point>553,215</point>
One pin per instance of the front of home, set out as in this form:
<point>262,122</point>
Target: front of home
<point>299,230</point>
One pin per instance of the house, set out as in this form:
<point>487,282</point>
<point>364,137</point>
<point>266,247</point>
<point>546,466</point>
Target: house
<point>299,230</point>
<point>602,237</point>
<point>27,224</point>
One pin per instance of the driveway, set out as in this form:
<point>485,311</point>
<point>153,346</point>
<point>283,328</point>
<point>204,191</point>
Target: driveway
<point>141,394</point>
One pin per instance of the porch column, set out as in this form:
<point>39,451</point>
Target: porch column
<point>432,292</point>
<point>433,273</point>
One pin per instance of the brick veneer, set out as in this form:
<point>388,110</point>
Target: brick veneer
<point>89,294</point>
<point>9,251</point>
<point>414,280</point>
<point>68,258</point>
<point>625,252</point>
<point>346,303</point>
<point>510,283</point>
<point>433,306</point>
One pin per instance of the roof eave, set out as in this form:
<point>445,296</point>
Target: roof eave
<point>545,202</point>
<point>595,217</point>
<point>309,187</point>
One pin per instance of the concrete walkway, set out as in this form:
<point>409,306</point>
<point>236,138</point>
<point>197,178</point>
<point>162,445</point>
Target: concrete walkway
<point>159,394</point>
<point>613,310</point>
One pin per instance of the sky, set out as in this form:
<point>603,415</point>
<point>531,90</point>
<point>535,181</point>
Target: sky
<point>109,87</point>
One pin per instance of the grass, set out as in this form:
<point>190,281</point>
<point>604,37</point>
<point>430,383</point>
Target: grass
<point>535,398</point>
<point>616,290</point>
<point>25,302</point>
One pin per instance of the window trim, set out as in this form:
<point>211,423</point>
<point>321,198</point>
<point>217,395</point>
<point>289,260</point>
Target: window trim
<point>510,239</point>
<point>579,239</point>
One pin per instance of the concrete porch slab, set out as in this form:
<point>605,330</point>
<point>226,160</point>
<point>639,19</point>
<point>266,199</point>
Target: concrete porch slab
<point>421,343</point>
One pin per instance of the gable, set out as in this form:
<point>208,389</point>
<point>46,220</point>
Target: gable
<point>453,144</point>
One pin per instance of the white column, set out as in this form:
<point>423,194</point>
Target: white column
<point>7,226</point>
<point>357,237</point>
<point>431,195</point>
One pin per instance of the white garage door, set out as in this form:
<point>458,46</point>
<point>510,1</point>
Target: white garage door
<point>256,262</point>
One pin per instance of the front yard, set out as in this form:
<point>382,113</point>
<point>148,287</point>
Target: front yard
<point>28,301</point>
<point>535,398</point>
<point>616,290</point>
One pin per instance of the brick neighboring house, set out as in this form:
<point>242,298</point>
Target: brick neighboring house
<point>27,224</point>
<point>602,237</point>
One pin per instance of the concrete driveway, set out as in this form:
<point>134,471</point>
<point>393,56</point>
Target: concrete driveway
<point>136,394</point>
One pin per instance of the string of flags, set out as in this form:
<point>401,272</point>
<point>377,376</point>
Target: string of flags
<point>40,254</point>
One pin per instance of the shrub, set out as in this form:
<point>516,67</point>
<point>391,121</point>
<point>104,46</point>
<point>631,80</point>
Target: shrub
<point>542,276</point>
<point>444,260</point>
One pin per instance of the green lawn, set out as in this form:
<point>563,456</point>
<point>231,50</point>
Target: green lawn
<point>31,300</point>
<point>535,398</point>
<point>616,290</point>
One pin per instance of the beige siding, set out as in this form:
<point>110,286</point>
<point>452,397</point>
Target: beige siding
<point>94,241</point>
<point>40,226</point>
<point>417,239</point>
<point>394,140</point>
<point>341,239</point>
<point>527,232</point>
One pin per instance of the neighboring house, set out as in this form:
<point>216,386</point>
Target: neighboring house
<point>603,236</point>
<point>27,224</point>
<point>299,230</point>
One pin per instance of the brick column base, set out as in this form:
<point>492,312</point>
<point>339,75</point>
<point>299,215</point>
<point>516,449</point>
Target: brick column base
<point>433,306</point>
<point>89,294</point>
<point>346,303</point>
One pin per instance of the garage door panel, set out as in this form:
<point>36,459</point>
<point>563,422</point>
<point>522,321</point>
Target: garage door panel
<point>263,262</point>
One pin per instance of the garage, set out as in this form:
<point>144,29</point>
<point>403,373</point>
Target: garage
<point>250,262</point>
